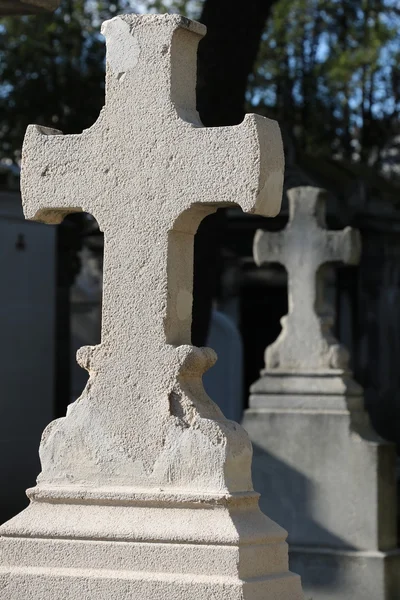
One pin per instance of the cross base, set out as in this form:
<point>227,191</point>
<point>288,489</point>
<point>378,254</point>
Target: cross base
<point>300,385</point>
<point>106,544</point>
<point>314,446</point>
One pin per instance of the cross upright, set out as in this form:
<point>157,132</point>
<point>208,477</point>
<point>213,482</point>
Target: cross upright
<point>149,172</point>
<point>305,344</point>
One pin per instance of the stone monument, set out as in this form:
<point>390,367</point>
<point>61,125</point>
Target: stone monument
<point>321,470</point>
<point>145,490</point>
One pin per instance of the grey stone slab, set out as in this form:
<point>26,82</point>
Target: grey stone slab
<point>328,478</point>
<point>320,383</point>
<point>347,575</point>
<point>325,476</point>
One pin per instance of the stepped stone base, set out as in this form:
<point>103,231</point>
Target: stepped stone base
<point>325,476</point>
<point>102,545</point>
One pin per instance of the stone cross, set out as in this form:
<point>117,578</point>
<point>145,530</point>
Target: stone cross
<point>146,490</point>
<point>19,7</point>
<point>149,172</point>
<point>305,344</point>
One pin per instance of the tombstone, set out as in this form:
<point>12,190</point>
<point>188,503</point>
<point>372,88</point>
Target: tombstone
<point>16,7</point>
<point>313,443</point>
<point>145,489</point>
<point>27,345</point>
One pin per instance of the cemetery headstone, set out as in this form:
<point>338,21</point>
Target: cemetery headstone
<point>145,489</point>
<point>313,443</point>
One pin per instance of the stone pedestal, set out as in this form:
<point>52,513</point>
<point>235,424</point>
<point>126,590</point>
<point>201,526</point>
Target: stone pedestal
<point>129,544</point>
<point>330,481</point>
<point>145,491</point>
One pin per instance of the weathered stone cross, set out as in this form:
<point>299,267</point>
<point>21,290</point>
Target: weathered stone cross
<point>149,172</point>
<point>306,343</point>
<point>146,490</point>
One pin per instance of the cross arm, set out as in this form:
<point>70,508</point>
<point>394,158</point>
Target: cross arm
<point>55,175</point>
<point>269,247</point>
<point>341,246</point>
<point>269,155</point>
<point>240,165</point>
<point>259,149</point>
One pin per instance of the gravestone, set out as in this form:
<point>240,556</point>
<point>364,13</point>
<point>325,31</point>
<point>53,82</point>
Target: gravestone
<point>313,443</point>
<point>17,7</point>
<point>145,489</point>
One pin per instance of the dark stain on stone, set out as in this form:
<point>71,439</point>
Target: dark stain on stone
<point>186,22</point>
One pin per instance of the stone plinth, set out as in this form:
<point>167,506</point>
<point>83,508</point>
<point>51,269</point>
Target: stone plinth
<point>145,490</point>
<point>16,7</point>
<point>321,470</point>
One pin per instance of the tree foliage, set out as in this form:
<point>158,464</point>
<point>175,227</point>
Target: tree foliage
<point>329,70</point>
<point>52,66</point>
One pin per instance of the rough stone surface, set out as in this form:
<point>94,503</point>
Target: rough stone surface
<point>322,471</point>
<point>145,490</point>
<point>16,7</point>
